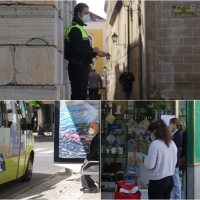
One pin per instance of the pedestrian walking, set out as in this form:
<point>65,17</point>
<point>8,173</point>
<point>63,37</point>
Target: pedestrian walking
<point>88,185</point>
<point>160,161</point>
<point>79,53</point>
<point>94,80</point>
<point>126,79</point>
<point>176,127</point>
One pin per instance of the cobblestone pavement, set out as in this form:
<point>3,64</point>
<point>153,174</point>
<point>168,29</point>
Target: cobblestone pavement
<point>58,186</point>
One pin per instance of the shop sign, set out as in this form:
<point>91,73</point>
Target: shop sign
<point>183,10</point>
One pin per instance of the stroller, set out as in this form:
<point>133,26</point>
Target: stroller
<point>122,195</point>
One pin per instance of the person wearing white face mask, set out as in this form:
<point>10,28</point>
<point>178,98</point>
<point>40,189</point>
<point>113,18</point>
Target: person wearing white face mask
<point>160,161</point>
<point>79,53</point>
<point>88,185</point>
<point>175,127</point>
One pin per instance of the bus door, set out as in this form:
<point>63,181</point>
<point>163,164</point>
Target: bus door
<point>23,145</point>
<point>9,140</point>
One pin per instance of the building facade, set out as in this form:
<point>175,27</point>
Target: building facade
<point>31,49</point>
<point>117,23</point>
<point>164,48</point>
<point>96,29</point>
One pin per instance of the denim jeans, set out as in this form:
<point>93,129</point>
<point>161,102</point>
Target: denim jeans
<point>176,193</point>
<point>127,95</point>
<point>183,181</point>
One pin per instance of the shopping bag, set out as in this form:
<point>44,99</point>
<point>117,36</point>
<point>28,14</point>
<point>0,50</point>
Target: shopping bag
<point>121,195</point>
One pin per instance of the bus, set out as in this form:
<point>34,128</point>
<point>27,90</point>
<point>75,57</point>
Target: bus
<point>16,142</point>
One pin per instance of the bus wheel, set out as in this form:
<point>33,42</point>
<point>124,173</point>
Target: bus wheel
<point>28,174</point>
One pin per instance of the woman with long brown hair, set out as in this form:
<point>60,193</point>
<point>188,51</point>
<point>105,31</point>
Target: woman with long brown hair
<point>161,161</point>
<point>176,127</point>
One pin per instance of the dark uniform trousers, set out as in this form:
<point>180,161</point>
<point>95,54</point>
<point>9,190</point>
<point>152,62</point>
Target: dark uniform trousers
<point>78,76</point>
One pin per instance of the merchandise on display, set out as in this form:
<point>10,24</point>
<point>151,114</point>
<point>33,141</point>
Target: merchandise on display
<point>132,138</point>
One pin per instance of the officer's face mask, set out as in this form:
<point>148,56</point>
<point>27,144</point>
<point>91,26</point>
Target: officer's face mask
<point>86,18</point>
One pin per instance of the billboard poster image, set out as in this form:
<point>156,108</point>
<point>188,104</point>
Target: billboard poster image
<point>72,129</point>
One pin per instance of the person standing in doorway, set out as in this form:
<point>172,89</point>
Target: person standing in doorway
<point>160,161</point>
<point>183,160</point>
<point>126,79</point>
<point>94,80</point>
<point>176,127</point>
<point>79,52</point>
<point>88,185</point>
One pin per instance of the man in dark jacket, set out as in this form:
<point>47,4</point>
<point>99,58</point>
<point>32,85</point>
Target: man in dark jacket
<point>183,157</point>
<point>94,79</point>
<point>88,185</point>
<point>177,138</point>
<point>126,80</point>
<point>79,53</point>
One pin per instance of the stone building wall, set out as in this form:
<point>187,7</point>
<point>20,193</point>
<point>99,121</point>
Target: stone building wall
<point>31,49</point>
<point>173,48</point>
<point>117,23</point>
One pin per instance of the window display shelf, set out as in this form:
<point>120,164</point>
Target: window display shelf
<point>132,175</point>
<point>135,135</point>
<point>114,155</point>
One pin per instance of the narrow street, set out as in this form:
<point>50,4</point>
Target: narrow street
<point>42,169</point>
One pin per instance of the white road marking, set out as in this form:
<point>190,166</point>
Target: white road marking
<point>46,152</point>
<point>39,149</point>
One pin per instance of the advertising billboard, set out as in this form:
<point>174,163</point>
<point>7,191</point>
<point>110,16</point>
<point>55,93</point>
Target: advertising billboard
<point>72,122</point>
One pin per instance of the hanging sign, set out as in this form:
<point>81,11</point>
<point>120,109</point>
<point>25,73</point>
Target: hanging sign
<point>183,10</point>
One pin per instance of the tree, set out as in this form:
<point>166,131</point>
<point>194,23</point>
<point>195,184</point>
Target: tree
<point>35,104</point>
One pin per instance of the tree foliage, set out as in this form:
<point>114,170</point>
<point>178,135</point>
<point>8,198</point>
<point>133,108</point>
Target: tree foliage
<point>36,104</point>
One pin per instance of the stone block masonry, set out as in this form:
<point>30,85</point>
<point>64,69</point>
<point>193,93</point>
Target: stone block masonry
<point>175,55</point>
<point>31,49</point>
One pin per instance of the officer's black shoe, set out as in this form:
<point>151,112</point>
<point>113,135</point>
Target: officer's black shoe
<point>82,188</point>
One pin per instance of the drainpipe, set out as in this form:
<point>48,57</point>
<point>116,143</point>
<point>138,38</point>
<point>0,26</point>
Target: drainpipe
<point>129,47</point>
<point>140,54</point>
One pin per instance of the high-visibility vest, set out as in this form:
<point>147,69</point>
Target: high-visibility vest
<point>72,25</point>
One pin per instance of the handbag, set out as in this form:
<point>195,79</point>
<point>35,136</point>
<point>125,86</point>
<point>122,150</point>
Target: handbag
<point>183,163</point>
<point>2,163</point>
<point>121,195</point>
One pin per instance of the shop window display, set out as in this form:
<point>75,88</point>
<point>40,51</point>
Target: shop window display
<point>124,138</point>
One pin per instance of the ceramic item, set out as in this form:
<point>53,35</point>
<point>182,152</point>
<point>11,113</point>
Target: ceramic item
<point>120,150</point>
<point>113,150</point>
<point>107,151</point>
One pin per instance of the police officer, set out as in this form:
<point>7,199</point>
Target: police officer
<point>79,53</point>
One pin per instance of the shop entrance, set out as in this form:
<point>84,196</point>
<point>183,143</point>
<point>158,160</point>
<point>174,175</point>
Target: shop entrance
<point>125,137</point>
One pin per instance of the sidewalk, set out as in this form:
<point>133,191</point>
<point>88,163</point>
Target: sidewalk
<point>59,186</point>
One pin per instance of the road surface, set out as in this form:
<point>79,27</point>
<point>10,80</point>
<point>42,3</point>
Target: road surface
<point>43,167</point>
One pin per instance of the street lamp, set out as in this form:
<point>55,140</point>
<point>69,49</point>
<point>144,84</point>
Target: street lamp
<point>108,56</point>
<point>115,38</point>
<point>104,77</point>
